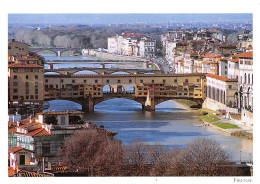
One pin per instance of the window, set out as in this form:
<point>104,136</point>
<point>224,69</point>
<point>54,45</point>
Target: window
<point>152,81</point>
<point>15,69</point>
<point>198,80</point>
<point>31,96</point>
<point>107,81</point>
<point>229,86</point>
<point>175,80</point>
<point>61,80</point>
<point>46,80</point>
<point>15,90</point>
<point>27,76</point>
<point>27,97</point>
<point>36,96</point>
<point>15,83</point>
<point>15,97</point>
<point>141,81</point>
<point>36,84</point>
<point>130,80</point>
<point>85,81</point>
<point>36,91</point>
<point>36,69</point>
<point>225,67</point>
<point>26,70</point>
<point>164,80</point>
<point>226,72</point>
<point>15,77</point>
<point>36,76</point>
<point>118,81</point>
<point>96,81</point>
<point>27,84</point>
<point>186,80</point>
<point>248,78</point>
<point>73,81</point>
<point>27,91</point>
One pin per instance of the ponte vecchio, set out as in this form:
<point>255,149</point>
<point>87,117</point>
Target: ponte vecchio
<point>147,89</point>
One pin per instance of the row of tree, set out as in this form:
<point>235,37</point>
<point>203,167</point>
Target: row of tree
<point>96,154</point>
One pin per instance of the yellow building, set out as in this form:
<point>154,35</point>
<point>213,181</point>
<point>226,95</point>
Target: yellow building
<point>25,84</point>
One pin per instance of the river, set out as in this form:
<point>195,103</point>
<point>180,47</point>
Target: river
<point>171,125</point>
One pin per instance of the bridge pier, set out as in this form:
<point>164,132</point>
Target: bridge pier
<point>58,53</point>
<point>88,105</point>
<point>149,104</point>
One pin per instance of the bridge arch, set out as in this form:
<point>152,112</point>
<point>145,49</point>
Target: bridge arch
<point>119,72</point>
<point>64,104</point>
<point>52,73</point>
<point>84,72</point>
<point>119,104</point>
<point>42,50</point>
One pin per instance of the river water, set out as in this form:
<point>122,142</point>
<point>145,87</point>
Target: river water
<point>171,124</point>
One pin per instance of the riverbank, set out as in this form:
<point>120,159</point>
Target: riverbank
<point>214,120</point>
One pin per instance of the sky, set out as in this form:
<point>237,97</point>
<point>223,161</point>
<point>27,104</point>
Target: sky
<point>129,18</point>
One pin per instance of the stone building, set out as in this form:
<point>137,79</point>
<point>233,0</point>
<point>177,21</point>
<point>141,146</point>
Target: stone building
<point>25,84</point>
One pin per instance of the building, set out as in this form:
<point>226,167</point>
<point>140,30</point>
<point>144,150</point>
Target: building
<point>18,49</point>
<point>220,92</point>
<point>147,48</point>
<point>245,86</point>
<point>131,44</point>
<point>25,84</point>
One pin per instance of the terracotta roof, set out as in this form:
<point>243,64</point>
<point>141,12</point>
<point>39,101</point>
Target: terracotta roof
<point>27,59</point>
<point>235,60</point>
<point>24,66</point>
<point>217,77</point>
<point>29,124</point>
<point>245,54</point>
<point>10,171</point>
<point>17,149</point>
<point>38,132</point>
<point>60,112</point>
<point>249,48</point>
<point>12,130</point>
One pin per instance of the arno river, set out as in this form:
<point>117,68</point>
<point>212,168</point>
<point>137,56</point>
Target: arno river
<point>171,124</point>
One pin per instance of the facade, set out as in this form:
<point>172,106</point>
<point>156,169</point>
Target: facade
<point>223,67</point>
<point>130,44</point>
<point>18,49</point>
<point>25,84</point>
<point>71,87</point>
<point>220,92</point>
<point>147,48</point>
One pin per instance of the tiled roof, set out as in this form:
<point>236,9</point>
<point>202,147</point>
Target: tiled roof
<point>229,45</point>
<point>249,48</point>
<point>27,59</point>
<point>60,112</point>
<point>29,124</point>
<point>10,171</point>
<point>209,62</point>
<point>17,149</point>
<point>245,54</point>
<point>38,132</point>
<point>12,130</point>
<point>24,66</point>
<point>217,77</point>
<point>235,60</point>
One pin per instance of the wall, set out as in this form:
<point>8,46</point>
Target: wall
<point>213,105</point>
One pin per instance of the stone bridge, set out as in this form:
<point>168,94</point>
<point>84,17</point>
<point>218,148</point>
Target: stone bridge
<point>148,90</point>
<point>57,51</point>
<point>148,103</point>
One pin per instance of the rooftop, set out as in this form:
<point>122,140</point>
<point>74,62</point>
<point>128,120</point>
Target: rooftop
<point>244,55</point>
<point>24,66</point>
<point>60,112</point>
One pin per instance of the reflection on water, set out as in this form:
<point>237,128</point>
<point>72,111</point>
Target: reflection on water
<point>171,124</point>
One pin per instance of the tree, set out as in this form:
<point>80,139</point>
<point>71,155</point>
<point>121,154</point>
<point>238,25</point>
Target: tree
<point>202,157</point>
<point>92,153</point>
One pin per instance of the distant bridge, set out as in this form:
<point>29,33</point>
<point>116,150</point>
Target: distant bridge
<point>71,71</point>
<point>57,51</point>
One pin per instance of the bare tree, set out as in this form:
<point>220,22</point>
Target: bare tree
<point>91,153</point>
